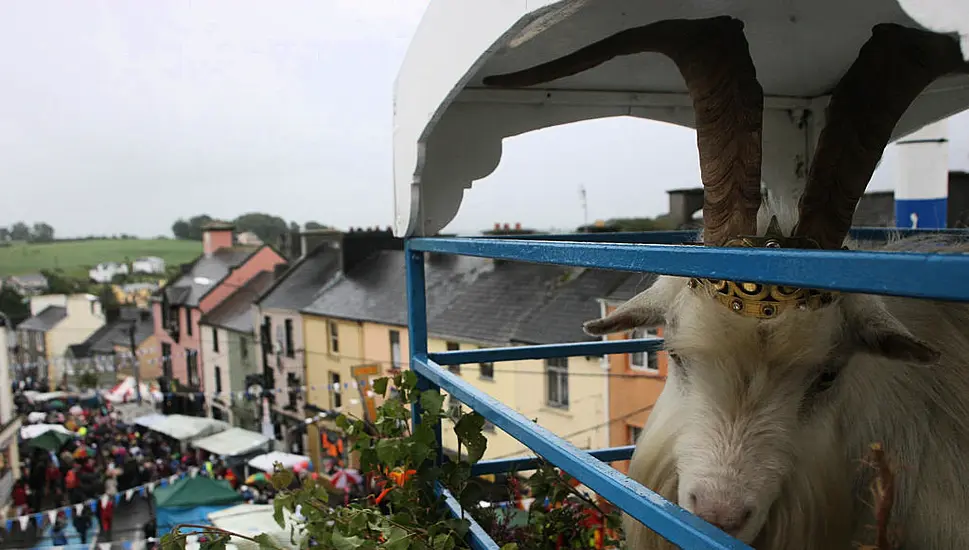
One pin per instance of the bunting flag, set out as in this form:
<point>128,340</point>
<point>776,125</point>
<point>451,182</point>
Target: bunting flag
<point>104,546</point>
<point>51,515</point>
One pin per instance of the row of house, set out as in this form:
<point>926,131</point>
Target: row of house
<point>319,326</point>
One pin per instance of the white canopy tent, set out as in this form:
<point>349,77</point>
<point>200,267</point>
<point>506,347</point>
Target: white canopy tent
<point>265,462</point>
<point>252,520</point>
<point>125,392</point>
<point>233,442</point>
<point>449,125</point>
<point>33,430</point>
<point>149,420</point>
<point>188,428</point>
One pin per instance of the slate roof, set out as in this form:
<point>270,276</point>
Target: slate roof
<point>572,303</point>
<point>491,310</point>
<point>116,332</point>
<point>45,319</point>
<point>473,299</point>
<point>298,287</point>
<point>633,285</point>
<point>187,289</point>
<point>235,312</point>
<point>375,290</point>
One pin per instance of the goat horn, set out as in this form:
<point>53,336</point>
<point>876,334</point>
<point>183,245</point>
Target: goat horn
<point>892,69</point>
<point>714,59</point>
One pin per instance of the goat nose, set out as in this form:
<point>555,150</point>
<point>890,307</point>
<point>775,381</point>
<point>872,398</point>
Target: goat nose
<point>730,515</point>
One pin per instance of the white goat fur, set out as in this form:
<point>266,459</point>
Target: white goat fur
<point>731,416</point>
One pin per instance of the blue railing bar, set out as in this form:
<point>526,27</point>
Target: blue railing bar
<point>545,351</point>
<point>688,236</point>
<point>523,464</point>
<point>670,521</point>
<point>888,273</point>
<point>477,536</point>
<point>417,329</point>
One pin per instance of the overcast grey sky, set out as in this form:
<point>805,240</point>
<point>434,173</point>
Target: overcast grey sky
<point>120,116</point>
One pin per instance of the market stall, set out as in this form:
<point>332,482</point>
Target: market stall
<point>188,428</point>
<point>265,462</point>
<point>235,443</point>
<point>191,500</point>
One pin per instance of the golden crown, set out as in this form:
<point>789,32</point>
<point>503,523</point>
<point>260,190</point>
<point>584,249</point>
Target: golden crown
<point>766,301</point>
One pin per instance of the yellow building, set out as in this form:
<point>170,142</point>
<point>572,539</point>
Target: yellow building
<point>359,322</point>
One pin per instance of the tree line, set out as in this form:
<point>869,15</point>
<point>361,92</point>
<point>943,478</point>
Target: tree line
<point>265,226</point>
<point>40,232</point>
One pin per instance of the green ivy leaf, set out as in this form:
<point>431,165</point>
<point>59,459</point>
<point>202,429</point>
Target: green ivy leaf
<point>432,402</point>
<point>380,386</point>
<point>398,539</point>
<point>469,432</point>
<point>342,422</point>
<point>388,451</point>
<point>510,546</point>
<point>279,503</point>
<point>341,542</point>
<point>282,479</point>
<point>266,542</point>
<point>409,381</point>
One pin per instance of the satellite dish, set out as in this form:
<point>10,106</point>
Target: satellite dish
<point>254,390</point>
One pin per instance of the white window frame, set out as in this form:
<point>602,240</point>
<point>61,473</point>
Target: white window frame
<point>647,356</point>
<point>559,375</point>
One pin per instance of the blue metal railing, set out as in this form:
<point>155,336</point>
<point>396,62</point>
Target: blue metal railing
<point>935,276</point>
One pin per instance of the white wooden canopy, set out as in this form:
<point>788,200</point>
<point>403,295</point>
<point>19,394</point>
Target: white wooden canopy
<point>448,127</point>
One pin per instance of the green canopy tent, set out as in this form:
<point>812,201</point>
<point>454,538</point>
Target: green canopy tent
<point>191,500</point>
<point>51,440</point>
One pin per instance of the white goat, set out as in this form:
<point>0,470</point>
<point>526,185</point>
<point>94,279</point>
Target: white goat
<point>772,402</point>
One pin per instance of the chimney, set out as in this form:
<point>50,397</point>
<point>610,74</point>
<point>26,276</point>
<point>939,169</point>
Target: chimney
<point>311,239</point>
<point>518,226</point>
<point>359,245</point>
<point>279,270</point>
<point>216,235</point>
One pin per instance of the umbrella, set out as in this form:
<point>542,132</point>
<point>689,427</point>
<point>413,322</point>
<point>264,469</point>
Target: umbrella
<point>258,477</point>
<point>301,466</point>
<point>56,404</point>
<point>84,452</point>
<point>76,410</point>
<point>344,479</point>
<point>50,440</point>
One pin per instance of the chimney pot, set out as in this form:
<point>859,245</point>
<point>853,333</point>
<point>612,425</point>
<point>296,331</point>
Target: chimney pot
<point>518,225</point>
<point>507,227</point>
<point>497,226</point>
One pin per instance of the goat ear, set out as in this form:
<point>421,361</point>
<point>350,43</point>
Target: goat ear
<point>648,308</point>
<point>879,333</point>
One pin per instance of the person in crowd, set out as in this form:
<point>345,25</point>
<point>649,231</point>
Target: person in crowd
<point>82,523</point>
<point>19,495</point>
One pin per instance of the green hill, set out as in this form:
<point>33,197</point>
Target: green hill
<point>75,258</point>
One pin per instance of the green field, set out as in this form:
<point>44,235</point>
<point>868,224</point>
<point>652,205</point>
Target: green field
<point>75,258</point>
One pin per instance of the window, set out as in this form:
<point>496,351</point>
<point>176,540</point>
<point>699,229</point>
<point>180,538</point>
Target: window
<point>634,433</point>
<point>454,346</point>
<point>334,337</point>
<point>293,384</point>
<point>453,407</point>
<point>244,348</point>
<point>290,352</point>
<point>336,398</point>
<point>188,321</point>
<point>557,387</point>
<point>218,379</point>
<point>642,360</point>
<point>265,336</point>
<point>395,349</point>
<point>166,361</point>
<point>215,340</point>
<point>192,358</point>
<point>487,371</point>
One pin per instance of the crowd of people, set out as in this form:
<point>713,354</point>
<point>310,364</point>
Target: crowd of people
<point>106,457</point>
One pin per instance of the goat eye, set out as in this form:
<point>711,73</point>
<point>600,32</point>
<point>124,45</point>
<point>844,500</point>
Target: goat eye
<point>825,380</point>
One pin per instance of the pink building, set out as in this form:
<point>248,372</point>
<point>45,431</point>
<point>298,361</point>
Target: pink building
<point>205,283</point>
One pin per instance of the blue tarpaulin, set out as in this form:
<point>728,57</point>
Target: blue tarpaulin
<point>168,518</point>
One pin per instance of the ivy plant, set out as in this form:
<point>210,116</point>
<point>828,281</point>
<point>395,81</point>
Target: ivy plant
<point>405,507</point>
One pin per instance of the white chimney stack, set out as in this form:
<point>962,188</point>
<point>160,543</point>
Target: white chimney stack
<point>922,188</point>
